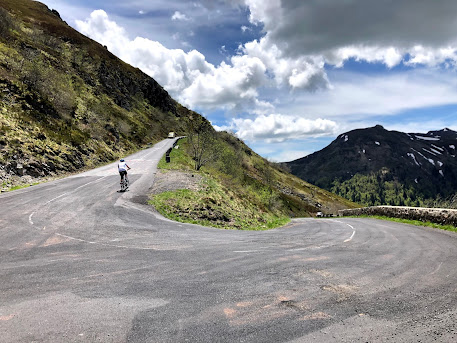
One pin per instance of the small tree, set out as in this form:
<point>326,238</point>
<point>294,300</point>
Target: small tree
<point>202,142</point>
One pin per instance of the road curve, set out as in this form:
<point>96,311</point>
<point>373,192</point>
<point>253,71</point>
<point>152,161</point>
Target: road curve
<point>81,262</point>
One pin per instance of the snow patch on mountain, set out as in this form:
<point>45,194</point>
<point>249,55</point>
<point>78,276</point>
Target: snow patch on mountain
<point>414,158</point>
<point>437,147</point>
<point>430,152</point>
<point>427,138</point>
<point>423,156</point>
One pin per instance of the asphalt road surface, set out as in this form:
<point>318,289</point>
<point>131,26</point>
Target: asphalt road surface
<point>81,262</point>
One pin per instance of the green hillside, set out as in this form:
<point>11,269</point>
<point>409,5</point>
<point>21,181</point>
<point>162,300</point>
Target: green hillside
<point>66,102</point>
<point>239,189</point>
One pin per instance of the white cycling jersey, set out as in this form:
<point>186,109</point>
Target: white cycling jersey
<point>122,166</point>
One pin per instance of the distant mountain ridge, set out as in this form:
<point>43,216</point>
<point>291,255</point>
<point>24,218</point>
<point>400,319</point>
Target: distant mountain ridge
<point>416,166</point>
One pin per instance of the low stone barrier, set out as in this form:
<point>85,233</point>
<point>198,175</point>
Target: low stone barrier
<point>435,215</point>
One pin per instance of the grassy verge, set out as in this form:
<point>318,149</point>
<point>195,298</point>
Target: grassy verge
<point>13,188</point>
<point>215,206</point>
<point>411,222</point>
<point>216,203</point>
<point>179,160</point>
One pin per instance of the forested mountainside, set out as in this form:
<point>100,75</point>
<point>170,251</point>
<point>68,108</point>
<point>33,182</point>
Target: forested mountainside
<point>374,166</point>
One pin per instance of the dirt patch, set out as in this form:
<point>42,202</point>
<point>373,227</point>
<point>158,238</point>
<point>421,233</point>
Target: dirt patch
<point>172,180</point>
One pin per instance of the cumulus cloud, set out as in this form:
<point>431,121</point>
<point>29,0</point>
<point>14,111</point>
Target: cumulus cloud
<point>279,128</point>
<point>187,75</point>
<point>305,72</point>
<point>103,30</point>
<point>227,84</point>
<point>369,30</point>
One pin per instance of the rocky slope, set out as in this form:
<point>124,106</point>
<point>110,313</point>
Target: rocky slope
<point>413,167</point>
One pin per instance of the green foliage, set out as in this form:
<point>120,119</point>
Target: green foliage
<point>6,187</point>
<point>203,146</point>
<point>377,189</point>
<point>6,23</point>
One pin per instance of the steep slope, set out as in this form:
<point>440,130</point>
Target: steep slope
<point>66,102</point>
<point>366,164</point>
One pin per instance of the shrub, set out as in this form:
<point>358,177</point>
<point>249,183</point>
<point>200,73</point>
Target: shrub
<point>6,23</point>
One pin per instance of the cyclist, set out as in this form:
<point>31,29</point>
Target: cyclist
<point>123,167</point>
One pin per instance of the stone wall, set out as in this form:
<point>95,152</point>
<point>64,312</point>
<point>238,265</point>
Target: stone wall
<point>434,215</point>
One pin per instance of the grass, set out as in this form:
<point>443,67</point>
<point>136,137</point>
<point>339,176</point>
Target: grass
<point>179,160</point>
<point>14,188</point>
<point>216,203</point>
<point>411,222</point>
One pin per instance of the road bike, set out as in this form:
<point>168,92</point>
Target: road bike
<point>124,184</point>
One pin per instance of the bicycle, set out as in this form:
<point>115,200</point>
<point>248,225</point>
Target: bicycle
<point>124,184</point>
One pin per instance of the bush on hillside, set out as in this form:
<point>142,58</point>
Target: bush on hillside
<point>6,23</point>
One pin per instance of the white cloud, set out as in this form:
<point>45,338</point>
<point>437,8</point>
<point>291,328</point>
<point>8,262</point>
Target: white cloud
<point>279,128</point>
<point>188,76</point>
<point>306,72</point>
<point>422,126</point>
<point>289,155</point>
<point>362,96</point>
<point>390,56</point>
<point>104,31</point>
<point>227,85</point>
<point>179,16</point>
<point>368,30</point>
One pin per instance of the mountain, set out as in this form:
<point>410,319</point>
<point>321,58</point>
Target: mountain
<point>376,166</point>
<point>66,102</point>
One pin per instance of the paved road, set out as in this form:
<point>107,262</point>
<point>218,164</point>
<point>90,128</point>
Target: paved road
<point>80,262</point>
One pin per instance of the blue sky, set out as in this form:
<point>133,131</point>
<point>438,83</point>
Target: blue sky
<point>288,77</point>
